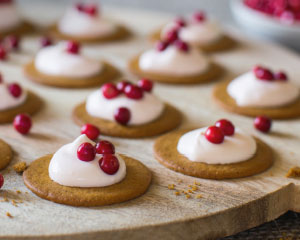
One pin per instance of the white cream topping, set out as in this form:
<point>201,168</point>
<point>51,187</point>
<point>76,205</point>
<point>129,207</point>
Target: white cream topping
<point>173,61</point>
<point>56,61</point>
<point>9,16</point>
<point>142,110</point>
<point>66,169</point>
<point>8,101</point>
<point>76,23</point>
<point>196,33</point>
<point>236,148</point>
<point>247,90</point>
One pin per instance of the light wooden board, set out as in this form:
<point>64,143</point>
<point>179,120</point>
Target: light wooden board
<point>227,207</point>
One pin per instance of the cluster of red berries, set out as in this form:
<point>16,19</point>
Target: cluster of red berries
<point>266,74</point>
<point>216,134</point>
<point>86,152</point>
<point>109,90</point>
<point>89,9</point>
<point>286,10</point>
<point>8,44</point>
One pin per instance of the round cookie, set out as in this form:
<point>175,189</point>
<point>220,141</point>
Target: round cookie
<point>165,150</point>
<point>5,154</point>
<point>225,43</point>
<point>121,33</point>
<point>214,72</point>
<point>32,105</point>
<point>107,74</point>
<point>136,183</point>
<point>22,29</point>
<point>170,119</point>
<point>223,99</point>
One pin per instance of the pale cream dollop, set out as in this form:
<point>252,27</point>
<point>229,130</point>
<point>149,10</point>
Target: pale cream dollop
<point>67,170</point>
<point>142,111</point>
<point>174,62</point>
<point>247,90</point>
<point>236,148</point>
<point>56,61</point>
<point>76,23</point>
<point>7,100</point>
<point>9,16</point>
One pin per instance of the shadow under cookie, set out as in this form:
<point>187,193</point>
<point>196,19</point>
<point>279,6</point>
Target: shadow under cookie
<point>22,29</point>
<point>108,73</point>
<point>213,73</point>
<point>32,105</point>
<point>121,33</point>
<point>225,43</point>
<point>137,180</point>
<point>165,150</point>
<point>170,119</point>
<point>222,98</point>
<point>5,154</point>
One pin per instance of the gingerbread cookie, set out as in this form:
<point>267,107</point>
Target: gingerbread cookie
<point>82,23</point>
<point>251,96</point>
<point>129,113</point>
<point>22,29</point>
<point>121,181</point>
<point>166,152</point>
<point>63,66</point>
<point>5,154</point>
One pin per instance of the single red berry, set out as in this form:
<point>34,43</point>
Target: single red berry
<point>109,164</point>
<point>15,90</point>
<point>199,16</point>
<point>181,45</point>
<point>3,54</point>
<point>180,22</point>
<point>91,131</point>
<point>73,47</point>
<point>161,46</point>
<point>1,180</point>
<point>133,92</point>
<point>171,36</point>
<point>281,76</point>
<point>91,10</point>
<point>122,115</point>
<point>263,73</point>
<point>214,135</point>
<point>79,7</point>
<point>22,123</point>
<point>145,84</point>
<point>105,147</point>
<point>45,41</point>
<point>263,123</point>
<point>109,90</point>
<point>121,85</point>
<point>13,41</point>
<point>86,152</point>
<point>226,127</point>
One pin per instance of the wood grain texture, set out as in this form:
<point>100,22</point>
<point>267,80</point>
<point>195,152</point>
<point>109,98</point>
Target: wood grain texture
<point>226,207</point>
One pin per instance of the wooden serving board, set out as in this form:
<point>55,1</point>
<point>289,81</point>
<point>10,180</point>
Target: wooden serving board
<point>226,207</point>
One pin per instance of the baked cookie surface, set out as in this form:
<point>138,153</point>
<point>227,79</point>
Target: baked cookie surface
<point>136,183</point>
<point>165,151</point>
<point>32,105</point>
<point>5,154</point>
<point>22,29</point>
<point>214,72</point>
<point>222,98</point>
<point>107,74</point>
<point>121,33</point>
<point>170,119</point>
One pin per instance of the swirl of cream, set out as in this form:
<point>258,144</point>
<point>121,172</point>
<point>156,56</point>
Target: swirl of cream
<point>236,148</point>
<point>66,169</point>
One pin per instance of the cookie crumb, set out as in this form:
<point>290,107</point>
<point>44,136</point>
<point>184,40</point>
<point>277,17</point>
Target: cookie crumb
<point>188,196</point>
<point>18,192</point>
<point>177,193</point>
<point>20,167</point>
<point>190,191</point>
<point>194,188</point>
<point>171,186</point>
<point>197,183</point>
<point>198,196</point>
<point>13,202</point>
<point>294,172</point>
<point>9,215</point>
<point>180,181</point>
